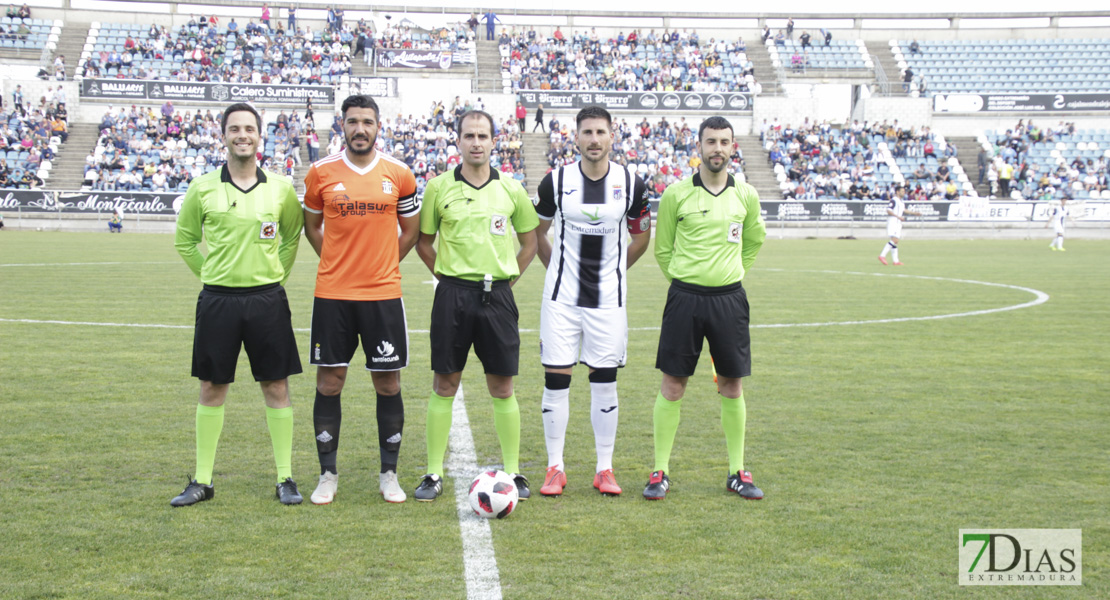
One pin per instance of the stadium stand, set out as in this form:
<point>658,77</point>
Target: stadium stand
<point>142,150</point>
<point>1050,66</point>
<point>838,55</point>
<point>816,161</point>
<point>25,33</point>
<point>1049,163</point>
<point>30,139</point>
<point>660,154</point>
<point>632,62</point>
<point>202,51</point>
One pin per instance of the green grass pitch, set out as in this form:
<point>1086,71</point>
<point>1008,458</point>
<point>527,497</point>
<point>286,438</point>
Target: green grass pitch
<point>875,443</point>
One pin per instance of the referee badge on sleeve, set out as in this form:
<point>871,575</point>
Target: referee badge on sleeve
<point>735,230</point>
<point>268,231</point>
<point>498,225</point>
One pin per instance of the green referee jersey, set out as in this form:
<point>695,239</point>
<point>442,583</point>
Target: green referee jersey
<point>705,239</point>
<point>252,235</point>
<point>473,224</point>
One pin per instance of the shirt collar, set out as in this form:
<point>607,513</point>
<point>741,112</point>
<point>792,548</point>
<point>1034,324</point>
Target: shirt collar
<point>493,174</point>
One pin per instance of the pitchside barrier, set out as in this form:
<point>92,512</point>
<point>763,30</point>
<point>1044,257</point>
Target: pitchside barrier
<point>74,203</point>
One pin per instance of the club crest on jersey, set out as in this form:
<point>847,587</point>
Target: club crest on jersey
<point>387,186</point>
<point>735,230</point>
<point>268,231</point>
<point>498,225</point>
<point>617,192</point>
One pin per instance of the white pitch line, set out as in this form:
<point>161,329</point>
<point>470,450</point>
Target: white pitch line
<point>483,581</point>
<point>86,264</point>
<point>1039,298</point>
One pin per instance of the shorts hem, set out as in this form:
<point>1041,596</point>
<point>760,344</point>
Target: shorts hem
<point>570,366</point>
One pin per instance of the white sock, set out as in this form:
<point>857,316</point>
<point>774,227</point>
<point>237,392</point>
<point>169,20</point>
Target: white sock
<point>1059,241</point>
<point>556,413</point>
<point>603,415</point>
<point>894,254</point>
<point>886,249</point>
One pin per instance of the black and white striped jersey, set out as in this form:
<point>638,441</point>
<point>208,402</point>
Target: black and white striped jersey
<point>589,251</point>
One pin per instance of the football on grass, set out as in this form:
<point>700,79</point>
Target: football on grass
<point>493,495</point>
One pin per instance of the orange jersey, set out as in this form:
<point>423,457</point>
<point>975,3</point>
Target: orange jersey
<point>361,207</point>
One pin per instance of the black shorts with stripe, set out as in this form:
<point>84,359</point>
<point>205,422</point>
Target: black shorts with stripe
<point>460,320</point>
<point>694,313</point>
<point>337,326</point>
<point>257,318</point>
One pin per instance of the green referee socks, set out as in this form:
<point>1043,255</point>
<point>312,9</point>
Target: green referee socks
<point>734,416</point>
<point>210,422</point>
<point>506,420</point>
<point>437,430</point>
<point>280,421</point>
<point>666,416</point>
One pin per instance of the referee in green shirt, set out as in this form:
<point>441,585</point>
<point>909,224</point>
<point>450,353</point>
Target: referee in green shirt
<point>471,208</point>
<point>708,232</point>
<point>252,225</point>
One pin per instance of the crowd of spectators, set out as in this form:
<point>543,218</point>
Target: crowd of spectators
<point>678,61</point>
<point>428,144</point>
<point>144,149</point>
<point>1027,162</point>
<point>202,50</point>
<point>31,134</point>
<point>661,153</point>
<point>23,12</point>
<point>447,39</point>
<point>862,161</point>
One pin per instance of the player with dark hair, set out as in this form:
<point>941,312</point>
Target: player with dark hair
<point>896,213</point>
<point>589,205</point>
<point>251,223</point>
<point>355,200</point>
<point>471,208</point>
<point>708,233</point>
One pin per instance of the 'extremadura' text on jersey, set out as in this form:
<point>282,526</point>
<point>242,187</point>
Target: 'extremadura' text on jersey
<point>589,259</point>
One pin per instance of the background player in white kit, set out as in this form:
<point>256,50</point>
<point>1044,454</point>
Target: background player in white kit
<point>589,204</point>
<point>896,215</point>
<point>1056,219</point>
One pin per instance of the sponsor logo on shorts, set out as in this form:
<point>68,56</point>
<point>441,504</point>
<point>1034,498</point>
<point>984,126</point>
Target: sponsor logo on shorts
<point>317,352</point>
<point>385,349</point>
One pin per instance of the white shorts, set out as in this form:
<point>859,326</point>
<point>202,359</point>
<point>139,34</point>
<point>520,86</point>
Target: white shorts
<point>597,337</point>
<point>893,228</point>
<point>1059,229</point>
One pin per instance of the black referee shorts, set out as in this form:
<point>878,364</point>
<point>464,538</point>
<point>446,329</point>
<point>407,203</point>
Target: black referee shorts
<point>459,320</point>
<point>257,318</point>
<point>694,313</point>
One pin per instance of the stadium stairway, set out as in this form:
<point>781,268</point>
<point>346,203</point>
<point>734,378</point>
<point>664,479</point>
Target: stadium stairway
<point>489,67</point>
<point>764,71</point>
<point>968,153</point>
<point>535,150</point>
<point>757,169</point>
<point>69,165</point>
<point>70,44</point>
<point>880,52</point>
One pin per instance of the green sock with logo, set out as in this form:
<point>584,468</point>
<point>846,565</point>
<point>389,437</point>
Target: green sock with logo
<point>665,421</point>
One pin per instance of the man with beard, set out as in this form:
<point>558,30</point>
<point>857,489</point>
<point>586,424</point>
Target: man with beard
<point>584,311</point>
<point>708,233</point>
<point>354,202</point>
